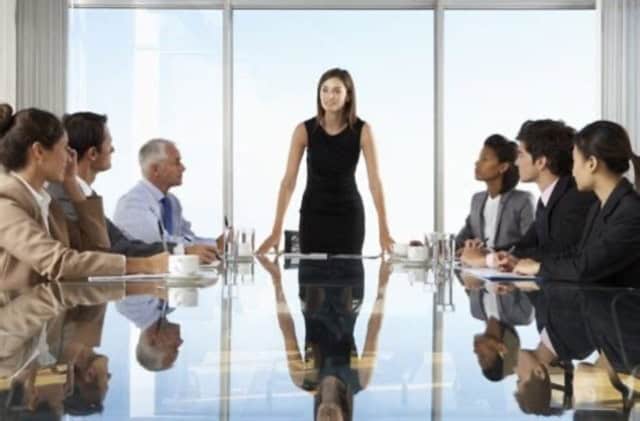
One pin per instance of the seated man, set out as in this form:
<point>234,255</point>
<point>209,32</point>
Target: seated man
<point>89,136</point>
<point>160,340</point>
<point>148,211</point>
<point>564,336</point>
<point>544,158</point>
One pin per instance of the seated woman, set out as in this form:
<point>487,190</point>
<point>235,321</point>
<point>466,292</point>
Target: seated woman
<point>37,243</point>
<point>500,215</point>
<point>609,251</point>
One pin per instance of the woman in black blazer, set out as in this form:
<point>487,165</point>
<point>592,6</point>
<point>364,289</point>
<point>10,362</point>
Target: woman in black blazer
<point>609,251</point>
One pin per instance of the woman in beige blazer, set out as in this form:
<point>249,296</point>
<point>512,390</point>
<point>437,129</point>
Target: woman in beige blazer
<point>37,243</point>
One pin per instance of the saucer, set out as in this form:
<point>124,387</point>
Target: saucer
<point>181,276</point>
<point>201,279</point>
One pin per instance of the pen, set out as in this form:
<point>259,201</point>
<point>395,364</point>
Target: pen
<point>226,239</point>
<point>511,249</point>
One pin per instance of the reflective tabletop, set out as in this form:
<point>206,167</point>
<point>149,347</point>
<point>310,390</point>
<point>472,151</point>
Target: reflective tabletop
<point>337,338</point>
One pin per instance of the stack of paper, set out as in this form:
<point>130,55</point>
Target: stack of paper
<point>494,277</point>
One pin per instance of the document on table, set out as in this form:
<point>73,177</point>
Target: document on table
<point>496,275</point>
<point>306,256</point>
<point>155,277</point>
<point>138,277</point>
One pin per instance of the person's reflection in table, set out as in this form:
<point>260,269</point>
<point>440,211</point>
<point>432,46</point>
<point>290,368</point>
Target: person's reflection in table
<point>52,324</point>
<point>614,326</point>
<point>160,340</point>
<point>501,309</point>
<point>331,292</point>
<point>564,337</point>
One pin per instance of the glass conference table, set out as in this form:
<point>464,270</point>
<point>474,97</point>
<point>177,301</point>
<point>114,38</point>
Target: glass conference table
<point>371,339</point>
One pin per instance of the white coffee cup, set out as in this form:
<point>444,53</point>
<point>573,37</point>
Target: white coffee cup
<point>244,249</point>
<point>417,275</point>
<point>183,297</point>
<point>400,249</point>
<point>184,264</point>
<point>417,253</point>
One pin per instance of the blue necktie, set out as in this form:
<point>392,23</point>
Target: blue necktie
<point>167,220</point>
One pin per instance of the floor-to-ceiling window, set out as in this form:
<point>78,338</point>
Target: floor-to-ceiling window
<point>155,73</point>
<point>503,68</point>
<point>158,73</point>
<point>279,57</point>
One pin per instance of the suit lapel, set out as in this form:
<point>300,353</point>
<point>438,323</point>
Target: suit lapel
<point>503,202</point>
<point>58,229</point>
<point>621,190</point>
<point>597,215</point>
<point>563,184</point>
<point>588,225</point>
<point>23,196</point>
<point>483,202</point>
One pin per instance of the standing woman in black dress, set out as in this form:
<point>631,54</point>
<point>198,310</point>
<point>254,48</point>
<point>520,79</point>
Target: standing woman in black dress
<point>332,213</point>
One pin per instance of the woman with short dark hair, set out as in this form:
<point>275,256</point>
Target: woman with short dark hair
<point>500,215</point>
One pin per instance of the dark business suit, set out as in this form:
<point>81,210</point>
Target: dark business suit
<point>614,325</point>
<point>559,226</point>
<point>120,243</point>
<point>609,251</point>
<point>559,310</point>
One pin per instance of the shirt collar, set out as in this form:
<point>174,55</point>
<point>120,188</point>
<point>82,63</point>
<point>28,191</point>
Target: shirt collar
<point>84,186</point>
<point>155,192</point>
<point>546,194</point>
<point>494,199</point>
<point>42,198</point>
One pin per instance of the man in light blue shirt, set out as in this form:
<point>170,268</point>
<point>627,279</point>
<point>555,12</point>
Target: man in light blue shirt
<point>148,212</point>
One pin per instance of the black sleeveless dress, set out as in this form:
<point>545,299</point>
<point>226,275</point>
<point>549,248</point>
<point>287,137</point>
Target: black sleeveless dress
<point>331,294</point>
<point>332,213</point>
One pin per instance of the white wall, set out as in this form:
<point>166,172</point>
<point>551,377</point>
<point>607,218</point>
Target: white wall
<point>8,51</point>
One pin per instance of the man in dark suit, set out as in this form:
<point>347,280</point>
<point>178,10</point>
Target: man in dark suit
<point>544,158</point>
<point>89,136</point>
<point>564,337</point>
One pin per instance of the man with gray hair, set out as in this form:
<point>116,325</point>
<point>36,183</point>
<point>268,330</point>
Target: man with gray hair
<point>148,212</point>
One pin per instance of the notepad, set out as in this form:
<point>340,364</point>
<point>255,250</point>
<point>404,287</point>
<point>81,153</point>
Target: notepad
<point>493,278</point>
<point>129,278</point>
<point>496,275</point>
<point>306,256</point>
<point>206,275</point>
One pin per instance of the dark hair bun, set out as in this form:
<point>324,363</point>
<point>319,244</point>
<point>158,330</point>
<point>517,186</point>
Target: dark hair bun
<point>6,112</point>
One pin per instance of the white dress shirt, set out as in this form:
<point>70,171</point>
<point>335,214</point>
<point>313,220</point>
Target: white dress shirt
<point>546,194</point>
<point>42,198</point>
<point>490,302</point>
<point>139,214</point>
<point>142,310</point>
<point>490,215</point>
<point>85,187</point>
<point>544,336</point>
